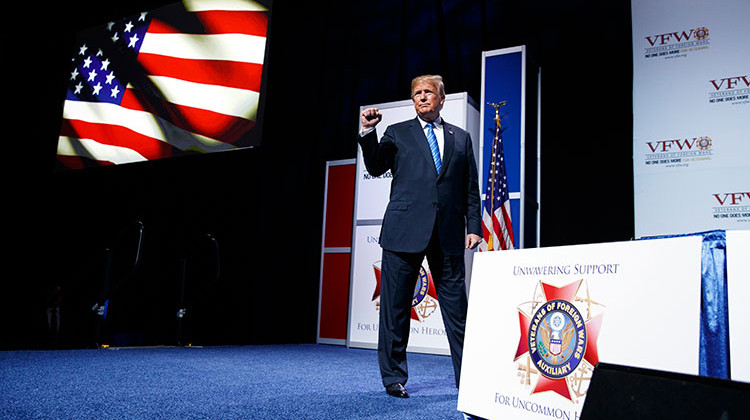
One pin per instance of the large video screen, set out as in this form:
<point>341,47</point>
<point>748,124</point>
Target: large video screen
<point>183,79</point>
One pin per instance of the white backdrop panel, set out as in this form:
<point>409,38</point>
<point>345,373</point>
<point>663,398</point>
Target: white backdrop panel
<point>691,102</point>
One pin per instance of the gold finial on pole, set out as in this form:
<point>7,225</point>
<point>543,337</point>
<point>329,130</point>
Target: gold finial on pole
<point>497,107</point>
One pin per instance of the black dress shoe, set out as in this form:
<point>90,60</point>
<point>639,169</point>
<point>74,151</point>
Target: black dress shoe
<point>397,390</point>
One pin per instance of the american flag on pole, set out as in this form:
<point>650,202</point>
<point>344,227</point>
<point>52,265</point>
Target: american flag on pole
<point>181,79</point>
<point>497,228</point>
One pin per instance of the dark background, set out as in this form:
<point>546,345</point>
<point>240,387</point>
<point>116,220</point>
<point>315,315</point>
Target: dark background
<point>264,206</point>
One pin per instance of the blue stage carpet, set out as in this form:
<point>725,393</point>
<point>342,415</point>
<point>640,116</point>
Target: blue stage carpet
<point>305,381</point>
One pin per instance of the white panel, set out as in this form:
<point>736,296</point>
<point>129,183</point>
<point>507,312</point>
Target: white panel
<point>691,102</point>
<point>738,293</point>
<point>645,293</point>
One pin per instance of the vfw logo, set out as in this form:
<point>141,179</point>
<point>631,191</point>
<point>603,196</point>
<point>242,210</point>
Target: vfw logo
<point>729,83</point>
<point>733,89</point>
<point>678,151</point>
<point>676,44</point>
<point>559,330</point>
<point>676,37</point>
<point>424,301</point>
<point>733,199</point>
<point>680,145</point>
<point>732,206</point>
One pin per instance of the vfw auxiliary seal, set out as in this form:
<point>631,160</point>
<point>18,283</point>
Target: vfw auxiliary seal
<point>557,339</point>
<point>559,329</point>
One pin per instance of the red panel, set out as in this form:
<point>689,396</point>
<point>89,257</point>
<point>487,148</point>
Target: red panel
<point>340,206</point>
<point>334,301</point>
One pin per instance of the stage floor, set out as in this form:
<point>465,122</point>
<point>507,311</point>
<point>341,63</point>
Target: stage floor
<point>305,381</point>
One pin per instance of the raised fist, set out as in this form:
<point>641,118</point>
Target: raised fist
<point>370,118</point>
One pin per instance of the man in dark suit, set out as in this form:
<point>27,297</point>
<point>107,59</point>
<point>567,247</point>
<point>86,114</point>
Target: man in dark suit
<point>434,211</point>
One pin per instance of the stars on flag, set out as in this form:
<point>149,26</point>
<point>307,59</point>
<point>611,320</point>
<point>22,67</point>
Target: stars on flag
<point>496,220</point>
<point>97,75</point>
<point>133,40</point>
<point>93,76</point>
<point>497,171</point>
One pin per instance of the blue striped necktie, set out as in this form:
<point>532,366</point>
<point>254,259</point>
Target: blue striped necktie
<point>434,147</point>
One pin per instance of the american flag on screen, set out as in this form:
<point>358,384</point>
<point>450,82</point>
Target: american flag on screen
<point>182,79</point>
<point>497,228</point>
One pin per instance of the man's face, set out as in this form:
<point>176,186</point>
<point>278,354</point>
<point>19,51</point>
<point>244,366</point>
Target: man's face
<point>427,101</point>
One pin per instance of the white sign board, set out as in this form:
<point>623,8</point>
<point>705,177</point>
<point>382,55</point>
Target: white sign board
<point>540,319</point>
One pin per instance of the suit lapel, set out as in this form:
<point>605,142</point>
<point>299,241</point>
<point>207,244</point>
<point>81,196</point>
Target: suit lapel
<point>449,138</point>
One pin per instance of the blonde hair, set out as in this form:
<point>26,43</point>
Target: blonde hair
<point>432,79</point>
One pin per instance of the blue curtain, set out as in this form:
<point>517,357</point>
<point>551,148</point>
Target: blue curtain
<point>714,332</point>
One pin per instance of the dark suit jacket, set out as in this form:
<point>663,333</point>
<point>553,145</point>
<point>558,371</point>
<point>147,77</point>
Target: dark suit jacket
<point>419,196</point>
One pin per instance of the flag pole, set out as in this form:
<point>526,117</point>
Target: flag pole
<point>493,165</point>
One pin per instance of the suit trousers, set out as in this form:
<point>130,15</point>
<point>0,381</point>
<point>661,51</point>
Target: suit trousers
<point>399,274</point>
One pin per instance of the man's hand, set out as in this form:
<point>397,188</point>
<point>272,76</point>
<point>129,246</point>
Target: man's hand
<point>370,118</point>
<point>472,241</point>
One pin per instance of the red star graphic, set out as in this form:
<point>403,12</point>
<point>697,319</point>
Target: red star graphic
<point>567,293</point>
<point>376,293</point>
<point>593,326</point>
<point>431,291</point>
<point>523,344</point>
<point>555,385</point>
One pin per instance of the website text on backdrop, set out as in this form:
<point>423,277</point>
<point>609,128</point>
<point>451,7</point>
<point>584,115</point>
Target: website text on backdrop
<point>433,211</point>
